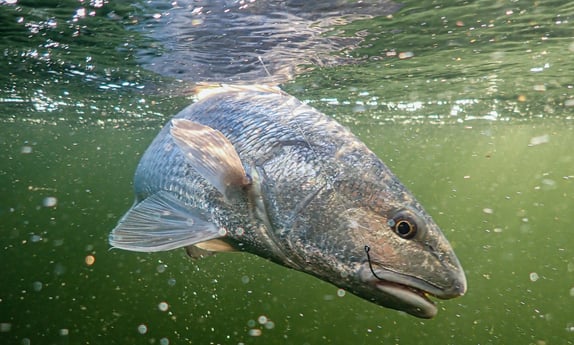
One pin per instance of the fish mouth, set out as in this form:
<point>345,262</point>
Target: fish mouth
<point>414,301</point>
<point>410,294</point>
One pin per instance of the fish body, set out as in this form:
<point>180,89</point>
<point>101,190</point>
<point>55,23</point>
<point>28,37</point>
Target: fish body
<point>253,169</point>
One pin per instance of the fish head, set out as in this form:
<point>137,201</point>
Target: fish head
<point>401,257</point>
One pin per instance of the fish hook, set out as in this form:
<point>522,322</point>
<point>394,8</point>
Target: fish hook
<point>367,250</point>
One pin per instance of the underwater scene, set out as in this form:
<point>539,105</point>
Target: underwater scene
<point>469,103</point>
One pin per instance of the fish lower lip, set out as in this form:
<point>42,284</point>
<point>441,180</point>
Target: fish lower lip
<point>418,299</point>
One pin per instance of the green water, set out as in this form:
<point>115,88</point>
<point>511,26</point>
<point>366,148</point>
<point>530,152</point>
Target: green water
<point>478,123</point>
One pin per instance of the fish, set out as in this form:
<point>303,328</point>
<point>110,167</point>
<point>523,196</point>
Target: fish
<point>253,169</point>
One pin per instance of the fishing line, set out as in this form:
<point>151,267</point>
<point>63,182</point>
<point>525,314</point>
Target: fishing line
<point>265,68</point>
<point>367,250</point>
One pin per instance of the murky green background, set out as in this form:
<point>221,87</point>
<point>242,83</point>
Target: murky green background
<point>471,103</point>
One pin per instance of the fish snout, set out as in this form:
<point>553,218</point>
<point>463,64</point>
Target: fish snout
<point>457,285</point>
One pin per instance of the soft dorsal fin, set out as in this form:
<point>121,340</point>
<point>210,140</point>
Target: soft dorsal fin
<point>212,155</point>
<point>162,222</point>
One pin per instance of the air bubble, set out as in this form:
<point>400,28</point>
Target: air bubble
<point>534,276</point>
<point>50,201</point>
<point>5,327</point>
<point>37,286</point>
<point>59,269</point>
<point>142,329</point>
<point>163,306</point>
<point>161,268</point>
<point>255,332</point>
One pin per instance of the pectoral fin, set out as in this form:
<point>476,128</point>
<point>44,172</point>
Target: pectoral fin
<point>212,155</point>
<point>162,222</point>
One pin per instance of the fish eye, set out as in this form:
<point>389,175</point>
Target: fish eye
<point>403,226</point>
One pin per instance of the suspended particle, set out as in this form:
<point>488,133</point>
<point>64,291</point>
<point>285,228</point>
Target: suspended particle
<point>406,55</point>
<point>539,140</point>
<point>89,260</point>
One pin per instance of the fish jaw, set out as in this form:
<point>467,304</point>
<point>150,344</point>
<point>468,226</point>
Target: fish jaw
<point>417,300</point>
<point>408,293</point>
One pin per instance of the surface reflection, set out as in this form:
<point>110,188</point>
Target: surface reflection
<point>241,41</point>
